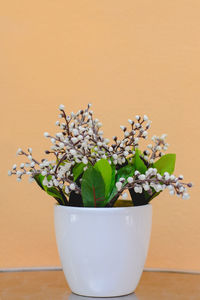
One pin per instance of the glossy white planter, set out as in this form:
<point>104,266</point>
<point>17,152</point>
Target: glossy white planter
<point>103,250</point>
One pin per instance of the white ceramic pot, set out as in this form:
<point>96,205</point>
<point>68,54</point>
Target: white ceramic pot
<point>103,250</point>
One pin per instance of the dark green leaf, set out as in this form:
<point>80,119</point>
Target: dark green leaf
<point>75,200</point>
<point>139,199</point>
<point>93,188</point>
<point>165,164</point>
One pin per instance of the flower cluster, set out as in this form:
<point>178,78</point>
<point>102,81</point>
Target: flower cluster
<point>80,142</point>
<point>153,181</point>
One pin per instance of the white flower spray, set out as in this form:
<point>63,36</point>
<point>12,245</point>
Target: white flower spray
<point>80,140</point>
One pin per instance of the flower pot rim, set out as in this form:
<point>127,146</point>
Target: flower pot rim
<point>102,209</point>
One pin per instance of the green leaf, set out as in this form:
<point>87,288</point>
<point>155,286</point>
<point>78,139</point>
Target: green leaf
<point>124,172</point>
<point>78,170</point>
<point>138,163</point>
<point>106,172</point>
<point>93,188</point>
<point>165,164</point>
<point>50,191</point>
<point>38,178</point>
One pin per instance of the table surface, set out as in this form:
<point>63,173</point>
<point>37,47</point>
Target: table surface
<point>51,285</point>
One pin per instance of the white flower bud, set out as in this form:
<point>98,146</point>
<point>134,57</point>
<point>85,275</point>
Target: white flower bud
<point>185,196</point>
<point>80,137</point>
<point>138,189</point>
<point>145,133</point>
<point>55,182</point>
<point>158,188</point>
<point>14,167</point>
<point>145,118</point>
<point>137,117</point>
<point>9,173</point>
<point>126,133</point>
<point>61,185</point>
<point>85,160</point>
<point>53,140</point>
<point>44,173</point>
<point>146,186</point>
<point>170,187</point>
<point>130,121</point>
<point>50,184</point>
<point>119,186</point>
<point>126,153</point>
<point>22,165</point>
<point>61,145</point>
<point>130,179</point>
<point>74,140</point>
<point>159,176</point>
<point>106,141</point>
<point>115,156</point>
<point>137,173</point>
<point>19,179</point>
<point>32,164</point>
<point>73,152</point>
<point>59,134</point>
<point>75,132</point>
<point>46,134</point>
<point>19,151</point>
<point>61,107</point>
<point>136,140</point>
<point>142,177</point>
<point>99,125</point>
<point>163,136</point>
<point>122,179</point>
<point>30,150</point>
<point>72,186</point>
<point>66,190</point>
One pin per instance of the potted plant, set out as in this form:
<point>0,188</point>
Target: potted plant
<point>102,241</point>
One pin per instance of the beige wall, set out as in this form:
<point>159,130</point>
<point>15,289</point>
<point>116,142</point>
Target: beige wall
<point>127,58</point>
